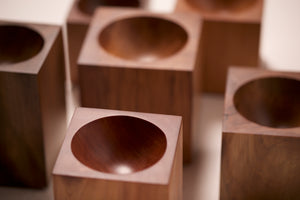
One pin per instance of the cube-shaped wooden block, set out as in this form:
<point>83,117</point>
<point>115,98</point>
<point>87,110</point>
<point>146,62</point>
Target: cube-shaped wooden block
<point>117,155</point>
<point>231,32</point>
<point>78,22</point>
<point>261,135</point>
<point>141,61</point>
<point>32,102</point>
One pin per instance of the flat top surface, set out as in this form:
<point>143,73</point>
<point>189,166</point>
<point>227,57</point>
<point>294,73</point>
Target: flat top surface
<point>32,65</point>
<point>159,173</point>
<point>233,121</point>
<point>93,54</point>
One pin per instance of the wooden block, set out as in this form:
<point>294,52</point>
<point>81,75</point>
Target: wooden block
<point>141,61</point>
<point>261,135</point>
<point>231,31</point>
<point>32,102</point>
<point>117,155</point>
<point>78,22</point>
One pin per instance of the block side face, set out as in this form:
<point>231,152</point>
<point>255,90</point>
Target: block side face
<point>71,188</point>
<point>237,45</point>
<point>21,138</point>
<point>176,179</point>
<point>52,96</point>
<point>259,167</point>
<point>76,35</point>
<point>140,90</point>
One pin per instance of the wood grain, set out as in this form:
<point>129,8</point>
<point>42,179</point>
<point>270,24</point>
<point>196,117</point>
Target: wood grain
<point>162,180</point>
<point>32,107</point>
<point>231,31</point>
<point>162,83</point>
<point>260,160</point>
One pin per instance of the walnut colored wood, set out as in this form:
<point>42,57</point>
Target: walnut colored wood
<point>149,68</point>
<point>231,31</point>
<point>261,135</point>
<point>78,22</point>
<point>110,154</point>
<point>32,104</point>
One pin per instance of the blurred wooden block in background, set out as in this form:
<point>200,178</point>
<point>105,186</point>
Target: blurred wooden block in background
<point>141,61</point>
<point>110,154</point>
<point>261,135</point>
<point>78,22</point>
<point>231,32</point>
<point>32,102</point>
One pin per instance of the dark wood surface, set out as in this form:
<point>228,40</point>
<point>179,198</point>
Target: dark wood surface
<point>125,145</point>
<point>260,156</point>
<point>18,44</point>
<point>163,85</point>
<point>231,32</point>
<point>32,107</point>
<point>162,179</point>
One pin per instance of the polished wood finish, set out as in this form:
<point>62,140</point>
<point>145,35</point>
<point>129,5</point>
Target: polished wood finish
<point>138,156</point>
<point>32,104</point>
<point>120,142</point>
<point>78,22</point>
<point>148,68</point>
<point>231,31</point>
<point>261,135</point>
<point>144,39</point>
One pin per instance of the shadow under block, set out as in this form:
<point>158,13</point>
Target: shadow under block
<point>261,135</point>
<point>32,102</point>
<point>78,22</point>
<point>231,32</point>
<point>142,62</point>
<point>117,155</point>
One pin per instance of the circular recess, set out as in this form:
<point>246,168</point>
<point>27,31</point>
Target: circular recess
<point>119,144</point>
<point>222,5</point>
<point>18,43</point>
<point>143,38</point>
<point>273,102</point>
<point>88,6</point>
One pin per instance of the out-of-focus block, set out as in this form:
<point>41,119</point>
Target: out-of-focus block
<point>231,31</point>
<point>32,102</point>
<point>78,22</point>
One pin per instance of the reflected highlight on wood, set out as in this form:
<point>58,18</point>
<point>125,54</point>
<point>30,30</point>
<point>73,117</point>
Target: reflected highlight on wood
<point>119,144</point>
<point>261,135</point>
<point>18,43</point>
<point>143,38</point>
<point>111,154</point>
<point>273,102</point>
